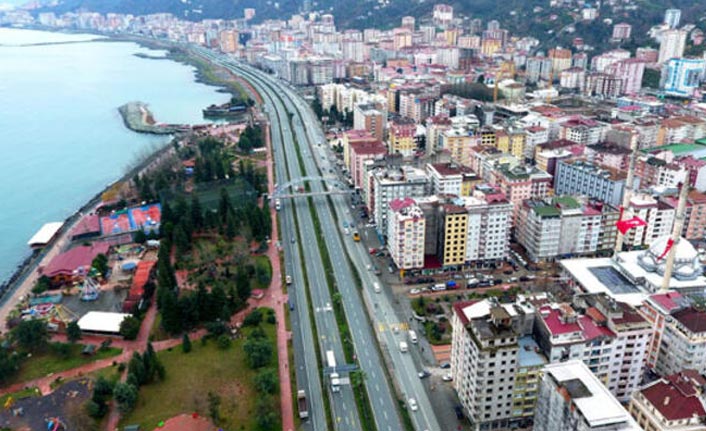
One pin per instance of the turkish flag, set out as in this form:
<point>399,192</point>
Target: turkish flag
<point>670,244</point>
<point>625,225</point>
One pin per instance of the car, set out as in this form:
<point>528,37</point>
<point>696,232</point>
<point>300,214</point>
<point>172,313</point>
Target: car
<point>369,267</point>
<point>447,377</point>
<point>412,403</point>
<point>445,365</point>
<point>423,374</point>
<point>294,240</point>
<point>459,412</point>
<point>345,224</point>
<point>507,272</point>
<point>415,291</point>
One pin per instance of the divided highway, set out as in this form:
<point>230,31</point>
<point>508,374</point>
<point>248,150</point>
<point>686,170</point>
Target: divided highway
<point>282,104</point>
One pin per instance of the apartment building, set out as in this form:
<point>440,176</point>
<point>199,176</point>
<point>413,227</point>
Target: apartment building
<point>405,233</point>
<point>454,235</point>
<point>367,116</point>
<point>655,309</point>
<point>401,138</point>
<point>559,226</point>
<point>610,337</point>
<point>672,403</point>
<point>495,367</point>
<point>457,142</point>
<point>451,179</point>
<point>683,341</point>
<point>571,398</point>
<point>519,183</point>
<point>658,216</point>
<point>388,184</point>
<point>584,178</point>
<point>490,217</point>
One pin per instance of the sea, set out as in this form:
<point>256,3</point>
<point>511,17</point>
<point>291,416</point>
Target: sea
<point>62,139</point>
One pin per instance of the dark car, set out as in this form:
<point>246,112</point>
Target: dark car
<point>507,272</point>
<point>445,365</point>
<point>459,412</point>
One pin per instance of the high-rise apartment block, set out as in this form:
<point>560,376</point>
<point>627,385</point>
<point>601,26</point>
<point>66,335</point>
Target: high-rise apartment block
<point>571,398</point>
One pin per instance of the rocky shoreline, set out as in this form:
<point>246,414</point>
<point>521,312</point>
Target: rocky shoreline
<point>138,118</point>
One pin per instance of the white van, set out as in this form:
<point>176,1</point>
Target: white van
<point>376,287</point>
<point>412,336</point>
<point>403,347</point>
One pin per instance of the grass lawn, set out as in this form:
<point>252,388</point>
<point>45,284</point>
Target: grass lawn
<point>262,262</point>
<point>157,333</point>
<point>24,393</point>
<point>190,377</point>
<point>41,364</point>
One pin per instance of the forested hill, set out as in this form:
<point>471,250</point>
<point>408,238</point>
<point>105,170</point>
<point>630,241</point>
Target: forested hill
<point>518,16</point>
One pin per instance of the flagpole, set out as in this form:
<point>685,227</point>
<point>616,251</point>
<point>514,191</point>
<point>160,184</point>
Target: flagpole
<point>673,242</point>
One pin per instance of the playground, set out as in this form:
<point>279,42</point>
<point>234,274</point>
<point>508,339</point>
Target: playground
<point>35,413</point>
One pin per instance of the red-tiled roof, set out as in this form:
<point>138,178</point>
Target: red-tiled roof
<point>591,330</point>
<point>672,403</point>
<point>89,224</point>
<point>693,319</point>
<point>556,326</point>
<point>69,261</point>
<point>666,300</point>
<point>398,204</point>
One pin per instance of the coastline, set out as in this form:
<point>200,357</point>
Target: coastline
<point>28,264</point>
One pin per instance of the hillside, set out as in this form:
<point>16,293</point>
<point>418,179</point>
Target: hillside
<point>518,16</point>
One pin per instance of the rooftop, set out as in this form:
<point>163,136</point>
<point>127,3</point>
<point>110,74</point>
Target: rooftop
<point>589,396</point>
<point>676,397</point>
<point>530,355</point>
<point>45,234</point>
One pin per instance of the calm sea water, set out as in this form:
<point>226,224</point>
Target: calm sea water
<point>61,137</point>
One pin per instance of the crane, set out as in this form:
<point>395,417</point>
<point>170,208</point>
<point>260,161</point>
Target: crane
<point>507,68</point>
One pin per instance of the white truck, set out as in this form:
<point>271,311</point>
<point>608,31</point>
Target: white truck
<point>301,403</point>
<point>412,336</point>
<point>335,380</point>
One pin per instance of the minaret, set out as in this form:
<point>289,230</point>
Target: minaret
<point>627,194</point>
<point>676,235</point>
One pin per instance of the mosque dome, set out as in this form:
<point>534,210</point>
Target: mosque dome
<point>686,259</point>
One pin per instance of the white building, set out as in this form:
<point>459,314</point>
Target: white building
<point>672,17</point>
<point>405,234</point>
<point>672,45</point>
<point>571,398</point>
<point>390,184</point>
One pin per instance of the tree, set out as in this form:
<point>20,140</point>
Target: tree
<point>139,237</point>
<point>130,327</point>
<point>136,367</point>
<point>266,418</point>
<point>214,407</point>
<point>126,396</point>
<point>266,381</point>
<point>186,343</point>
<point>9,364</point>
<point>100,263</point>
<point>258,352</point>
<point>31,335</point>
<point>181,239</point>
<point>254,318</point>
<point>42,285</point>
<point>73,332</point>
<point>171,315</point>
<point>196,212</point>
<point>224,342</point>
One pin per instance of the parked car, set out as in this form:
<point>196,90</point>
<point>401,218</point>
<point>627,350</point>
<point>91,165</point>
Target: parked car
<point>459,412</point>
<point>447,377</point>
<point>445,365</point>
<point>423,374</point>
<point>415,292</point>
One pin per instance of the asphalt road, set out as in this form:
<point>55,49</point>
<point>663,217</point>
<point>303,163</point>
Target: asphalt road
<point>345,415</point>
<point>317,158</point>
